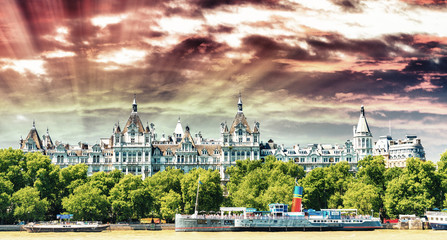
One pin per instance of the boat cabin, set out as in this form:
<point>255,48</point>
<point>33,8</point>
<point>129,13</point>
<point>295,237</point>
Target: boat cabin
<point>278,209</point>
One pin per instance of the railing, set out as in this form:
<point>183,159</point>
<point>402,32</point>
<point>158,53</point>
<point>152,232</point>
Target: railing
<point>436,213</point>
<point>266,217</point>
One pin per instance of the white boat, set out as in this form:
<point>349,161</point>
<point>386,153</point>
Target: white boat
<point>66,227</point>
<point>437,220</point>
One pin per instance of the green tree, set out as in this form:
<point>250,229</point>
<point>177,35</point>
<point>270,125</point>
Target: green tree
<point>28,205</point>
<point>12,163</point>
<point>162,183</point>
<point>250,190</point>
<point>170,204</point>
<point>130,199</point>
<point>211,194</point>
<point>442,173</point>
<point>44,176</point>
<point>442,163</point>
<point>392,173</point>
<point>414,191</point>
<point>105,181</point>
<point>372,170</point>
<point>363,197</point>
<point>316,187</point>
<point>87,203</point>
<point>339,177</point>
<point>6,189</point>
<point>256,184</point>
<point>72,177</point>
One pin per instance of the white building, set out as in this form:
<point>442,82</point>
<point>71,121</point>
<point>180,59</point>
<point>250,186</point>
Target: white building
<point>396,152</point>
<point>135,149</point>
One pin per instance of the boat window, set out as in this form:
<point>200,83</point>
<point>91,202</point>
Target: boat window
<point>201,221</point>
<point>228,222</point>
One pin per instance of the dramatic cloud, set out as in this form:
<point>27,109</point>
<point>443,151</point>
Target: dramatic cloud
<point>303,67</point>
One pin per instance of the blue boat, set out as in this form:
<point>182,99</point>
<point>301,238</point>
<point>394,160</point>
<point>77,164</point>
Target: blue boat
<point>437,220</point>
<point>277,219</point>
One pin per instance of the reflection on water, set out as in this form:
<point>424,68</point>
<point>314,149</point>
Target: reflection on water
<point>171,235</point>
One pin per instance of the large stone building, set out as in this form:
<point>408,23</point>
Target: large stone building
<point>322,155</point>
<point>396,152</point>
<point>134,148</point>
<point>311,156</point>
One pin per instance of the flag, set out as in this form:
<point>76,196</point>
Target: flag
<point>200,182</point>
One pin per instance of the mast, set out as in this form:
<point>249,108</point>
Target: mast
<point>197,198</point>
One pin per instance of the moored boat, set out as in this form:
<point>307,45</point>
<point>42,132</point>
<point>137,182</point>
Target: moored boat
<point>68,227</point>
<point>437,220</point>
<point>277,219</point>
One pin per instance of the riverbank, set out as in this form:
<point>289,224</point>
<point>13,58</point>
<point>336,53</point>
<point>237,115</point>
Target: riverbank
<point>113,227</point>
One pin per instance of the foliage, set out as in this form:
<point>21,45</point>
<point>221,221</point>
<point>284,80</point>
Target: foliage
<point>363,197</point>
<point>6,189</point>
<point>162,183</point>
<point>210,192</point>
<point>414,191</point>
<point>87,203</point>
<point>256,184</point>
<point>105,181</point>
<point>170,205</point>
<point>12,162</point>
<point>28,205</point>
<point>371,171</point>
<point>130,199</point>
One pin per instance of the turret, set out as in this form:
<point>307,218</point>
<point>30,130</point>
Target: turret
<point>362,136</point>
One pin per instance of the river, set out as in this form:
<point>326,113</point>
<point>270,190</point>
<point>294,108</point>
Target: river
<point>171,235</point>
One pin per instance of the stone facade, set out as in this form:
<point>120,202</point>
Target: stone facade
<point>396,152</point>
<point>135,149</point>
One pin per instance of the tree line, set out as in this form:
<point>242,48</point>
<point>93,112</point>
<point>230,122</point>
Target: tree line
<point>33,189</point>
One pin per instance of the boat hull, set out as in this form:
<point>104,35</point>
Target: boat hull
<point>191,224</point>
<point>65,228</point>
<point>200,224</point>
<point>438,226</point>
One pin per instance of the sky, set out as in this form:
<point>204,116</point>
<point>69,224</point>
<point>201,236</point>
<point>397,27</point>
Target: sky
<point>303,68</point>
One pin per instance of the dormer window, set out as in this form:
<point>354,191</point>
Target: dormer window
<point>204,151</point>
<point>240,132</point>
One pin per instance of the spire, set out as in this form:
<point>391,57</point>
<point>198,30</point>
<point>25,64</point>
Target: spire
<point>362,126</point>
<point>239,103</point>
<point>48,132</point>
<point>34,124</point>
<point>134,105</point>
<point>178,128</point>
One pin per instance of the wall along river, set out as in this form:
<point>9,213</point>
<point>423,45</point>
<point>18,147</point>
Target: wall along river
<point>171,235</point>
